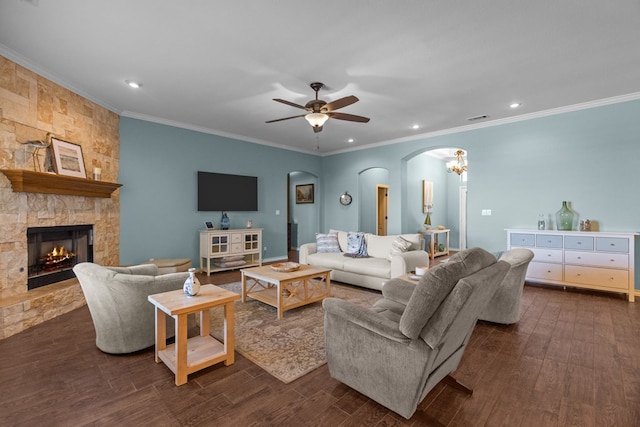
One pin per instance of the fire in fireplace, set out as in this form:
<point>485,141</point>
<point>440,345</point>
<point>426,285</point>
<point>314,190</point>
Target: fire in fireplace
<point>53,251</point>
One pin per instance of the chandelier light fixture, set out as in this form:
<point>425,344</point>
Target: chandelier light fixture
<point>458,165</point>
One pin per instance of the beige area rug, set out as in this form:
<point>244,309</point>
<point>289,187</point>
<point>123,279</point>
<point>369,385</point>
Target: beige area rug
<point>287,348</point>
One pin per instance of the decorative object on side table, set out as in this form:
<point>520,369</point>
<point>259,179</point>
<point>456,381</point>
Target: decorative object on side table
<point>224,221</point>
<point>427,221</point>
<point>249,224</point>
<point>192,284</point>
<point>565,218</point>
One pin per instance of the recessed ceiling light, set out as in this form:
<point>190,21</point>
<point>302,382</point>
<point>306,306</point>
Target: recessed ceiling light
<point>515,105</point>
<point>133,84</point>
<point>415,127</point>
<point>350,140</point>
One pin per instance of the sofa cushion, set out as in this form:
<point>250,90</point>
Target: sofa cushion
<point>377,267</point>
<point>398,246</point>
<point>327,243</point>
<point>434,287</point>
<point>335,260</point>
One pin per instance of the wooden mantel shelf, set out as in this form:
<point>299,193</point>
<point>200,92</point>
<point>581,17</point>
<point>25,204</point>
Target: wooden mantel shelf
<point>40,182</point>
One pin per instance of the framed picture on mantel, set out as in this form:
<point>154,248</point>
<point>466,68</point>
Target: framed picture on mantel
<point>67,158</point>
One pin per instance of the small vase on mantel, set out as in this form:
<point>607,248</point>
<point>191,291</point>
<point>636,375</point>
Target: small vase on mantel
<point>192,284</point>
<point>565,218</point>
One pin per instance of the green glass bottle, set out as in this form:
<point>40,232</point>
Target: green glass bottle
<point>565,217</point>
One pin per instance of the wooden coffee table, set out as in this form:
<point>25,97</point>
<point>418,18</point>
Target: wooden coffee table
<point>190,355</point>
<point>286,290</point>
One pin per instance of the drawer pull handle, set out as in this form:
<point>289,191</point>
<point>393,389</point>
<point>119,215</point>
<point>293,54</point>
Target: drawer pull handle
<point>612,244</point>
<point>578,274</point>
<point>579,257</point>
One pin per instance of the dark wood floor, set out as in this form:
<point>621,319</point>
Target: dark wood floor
<point>573,359</point>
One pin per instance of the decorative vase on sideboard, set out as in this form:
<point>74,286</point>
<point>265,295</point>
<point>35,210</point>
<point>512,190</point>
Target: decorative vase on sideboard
<point>565,218</point>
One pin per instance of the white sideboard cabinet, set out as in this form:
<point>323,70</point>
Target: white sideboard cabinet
<point>593,260</point>
<point>230,249</point>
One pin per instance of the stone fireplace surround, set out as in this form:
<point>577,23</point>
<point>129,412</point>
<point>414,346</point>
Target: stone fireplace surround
<point>30,107</point>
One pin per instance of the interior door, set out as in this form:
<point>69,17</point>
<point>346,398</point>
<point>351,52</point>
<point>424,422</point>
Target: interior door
<point>382,203</point>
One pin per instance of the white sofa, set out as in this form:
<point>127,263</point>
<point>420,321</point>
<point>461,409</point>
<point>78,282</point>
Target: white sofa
<point>371,272</point>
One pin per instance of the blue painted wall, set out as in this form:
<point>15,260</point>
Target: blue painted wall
<point>158,201</point>
<point>517,170</point>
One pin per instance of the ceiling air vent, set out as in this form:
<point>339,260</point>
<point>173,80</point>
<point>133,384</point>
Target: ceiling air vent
<point>482,117</point>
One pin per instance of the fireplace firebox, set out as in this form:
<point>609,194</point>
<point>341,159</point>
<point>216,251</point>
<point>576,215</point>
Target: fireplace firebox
<point>53,251</point>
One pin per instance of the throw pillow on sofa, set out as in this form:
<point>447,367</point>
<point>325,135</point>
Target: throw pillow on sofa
<point>327,243</point>
<point>356,245</point>
<point>398,246</point>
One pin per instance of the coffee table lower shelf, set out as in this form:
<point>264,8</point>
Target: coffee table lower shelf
<point>269,296</point>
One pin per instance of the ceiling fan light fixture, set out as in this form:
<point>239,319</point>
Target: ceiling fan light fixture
<point>316,119</point>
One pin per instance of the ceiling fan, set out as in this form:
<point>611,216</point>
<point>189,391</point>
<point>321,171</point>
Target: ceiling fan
<point>319,111</point>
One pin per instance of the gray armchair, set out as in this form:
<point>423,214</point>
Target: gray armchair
<point>123,318</point>
<point>504,307</point>
<point>396,351</point>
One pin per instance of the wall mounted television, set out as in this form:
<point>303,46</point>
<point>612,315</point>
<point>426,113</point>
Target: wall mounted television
<point>223,192</point>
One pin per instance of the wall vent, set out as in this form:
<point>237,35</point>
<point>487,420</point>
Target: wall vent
<point>482,117</point>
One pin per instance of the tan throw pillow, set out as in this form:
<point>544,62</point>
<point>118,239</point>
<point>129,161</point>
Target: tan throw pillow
<point>398,246</point>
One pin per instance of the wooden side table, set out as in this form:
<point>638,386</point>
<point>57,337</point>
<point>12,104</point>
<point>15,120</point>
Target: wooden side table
<point>188,355</point>
<point>435,241</point>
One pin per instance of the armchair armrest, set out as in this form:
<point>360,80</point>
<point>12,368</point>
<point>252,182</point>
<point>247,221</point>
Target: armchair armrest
<point>364,318</point>
<point>407,261</point>
<point>398,290</point>
<point>306,250</point>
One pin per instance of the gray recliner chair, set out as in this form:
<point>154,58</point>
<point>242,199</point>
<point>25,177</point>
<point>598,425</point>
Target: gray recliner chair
<point>123,318</point>
<point>504,307</point>
<point>414,337</point>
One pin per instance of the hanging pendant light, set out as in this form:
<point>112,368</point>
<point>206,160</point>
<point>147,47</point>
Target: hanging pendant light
<point>458,165</point>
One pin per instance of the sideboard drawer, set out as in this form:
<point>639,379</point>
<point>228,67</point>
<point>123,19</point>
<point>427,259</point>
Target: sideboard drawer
<point>546,271</point>
<point>612,244</point>
<point>236,248</point>
<point>597,259</point>
<point>616,279</point>
<point>548,241</point>
<point>521,239</point>
<point>236,238</point>
<point>579,243</point>
<point>547,255</point>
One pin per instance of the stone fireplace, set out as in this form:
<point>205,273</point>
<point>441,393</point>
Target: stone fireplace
<point>53,251</point>
<point>30,107</point>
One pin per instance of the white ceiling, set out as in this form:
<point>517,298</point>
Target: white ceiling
<point>215,65</point>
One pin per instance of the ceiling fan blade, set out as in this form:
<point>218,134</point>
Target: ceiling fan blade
<point>317,129</point>
<point>340,103</point>
<point>293,104</point>
<point>286,118</point>
<point>348,117</point>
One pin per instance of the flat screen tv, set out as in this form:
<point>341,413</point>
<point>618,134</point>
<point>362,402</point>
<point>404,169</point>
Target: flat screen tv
<point>223,192</point>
